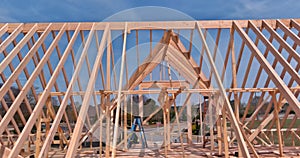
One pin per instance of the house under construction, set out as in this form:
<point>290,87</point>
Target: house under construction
<point>221,88</point>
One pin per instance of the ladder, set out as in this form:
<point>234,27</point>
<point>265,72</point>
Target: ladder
<point>137,122</point>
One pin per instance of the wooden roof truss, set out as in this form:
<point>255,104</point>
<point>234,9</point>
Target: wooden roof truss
<point>259,57</point>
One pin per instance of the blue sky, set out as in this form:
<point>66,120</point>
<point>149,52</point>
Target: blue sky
<point>128,10</point>
<point>98,10</point>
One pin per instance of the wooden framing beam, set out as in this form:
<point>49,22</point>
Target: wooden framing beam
<point>205,24</point>
<point>235,124</point>
<point>277,108</point>
<point>58,117</point>
<point>3,29</point>
<point>35,66</point>
<point>7,41</point>
<point>23,63</point>
<point>268,68</point>
<point>85,103</point>
<point>276,54</point>
<point>38,108</point>
<point>18,47</point>
<point>288,32</point>
<point>281,41</point>
<point>114,145</point>
<point>162,84</point>
<point>6,85</point>
<point>186,90</point>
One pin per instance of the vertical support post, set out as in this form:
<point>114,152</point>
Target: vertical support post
<point>165,131</point>
<point>179,128</point>
<point>91,140</point>
<point>102,109</point>
<point>276,111</point>
<point>109,58</point>
<point>100,135</point>
<point>225,135</point>
<point>211,124</point>
<point>272,135</point>
<point>293,139</point>
<point>201,120</point>
<point>47,120</point>
<point>38,136</point>
<point>119,93</point>
<point>125,123</point>
<point>141,106</point>
<point>219,134</point>
<point>107,141</point>
<point>189,122</point>
<point>234,85</point>
<point>28,145</point>
<point>131,110</point>
<point>61,143</point>
<point>111,126</point>
<point>168,126</point>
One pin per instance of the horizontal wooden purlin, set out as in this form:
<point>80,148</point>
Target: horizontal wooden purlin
<point>295,89</point>
<point>205,24</point>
